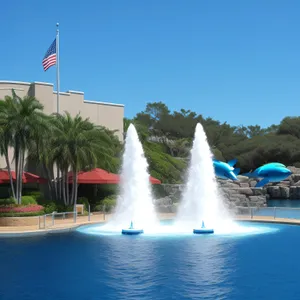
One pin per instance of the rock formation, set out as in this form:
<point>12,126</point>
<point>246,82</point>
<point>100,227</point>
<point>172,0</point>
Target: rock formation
<point>287,189</point>
<point>238,193</point>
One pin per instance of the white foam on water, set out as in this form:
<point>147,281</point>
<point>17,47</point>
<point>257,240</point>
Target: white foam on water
<point>238,229</point>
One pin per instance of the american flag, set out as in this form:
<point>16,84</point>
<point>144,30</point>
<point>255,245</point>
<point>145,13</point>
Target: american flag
<point>49,59</point>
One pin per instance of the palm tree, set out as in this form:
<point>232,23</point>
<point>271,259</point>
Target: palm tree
<point>69,143</point>
<point>111,161</point>
<point>78,144</point>
<point>21,120</point>
<point>41,152</point>
<point>6,138</point>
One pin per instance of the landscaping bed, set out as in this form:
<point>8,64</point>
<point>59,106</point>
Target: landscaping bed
<point>26,214</point>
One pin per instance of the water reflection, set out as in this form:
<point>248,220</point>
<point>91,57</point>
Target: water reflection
<point>130,266</point>
<point>206,265</point>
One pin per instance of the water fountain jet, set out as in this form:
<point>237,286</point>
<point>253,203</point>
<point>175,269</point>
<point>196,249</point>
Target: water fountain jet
<point>134,204</point>
<point>201,199</point>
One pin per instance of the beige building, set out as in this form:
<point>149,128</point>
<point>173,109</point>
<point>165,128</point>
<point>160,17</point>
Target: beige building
<point>109,115</point>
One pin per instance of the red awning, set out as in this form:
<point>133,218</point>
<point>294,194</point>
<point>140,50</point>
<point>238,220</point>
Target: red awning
<point>100,176</point>
<point>26,177</point>
<point>33,178</point>
<point>95,176</point>
<point>154,180</point>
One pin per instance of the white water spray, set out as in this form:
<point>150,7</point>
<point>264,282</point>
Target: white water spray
<point>201,199</point>
<point>135,200</point>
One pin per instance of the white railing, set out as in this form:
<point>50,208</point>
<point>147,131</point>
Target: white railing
<point>268,212</point>
<point>64,218</point>
<point>50,220</point>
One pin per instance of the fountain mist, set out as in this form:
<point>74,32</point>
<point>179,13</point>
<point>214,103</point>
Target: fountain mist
<point>135,200</point>
<point>201,199</point>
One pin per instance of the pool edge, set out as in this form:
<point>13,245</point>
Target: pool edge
<point>38,232</point>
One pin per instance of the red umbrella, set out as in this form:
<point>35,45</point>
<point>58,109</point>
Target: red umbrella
<point>26,177</point>
<point>4,175</point>
<point>32,178</point>
<point>95,176</point>
<point>100,176</point>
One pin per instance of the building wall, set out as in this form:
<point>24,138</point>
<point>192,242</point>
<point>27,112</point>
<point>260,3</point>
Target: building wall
<point>109,115</point>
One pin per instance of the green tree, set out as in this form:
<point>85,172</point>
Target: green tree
<point>156,109</point>
<point>255,131</point>
<point>290,125</point>
<point>6,138</point>
<point>251,145</point>
<point>78,144</point>
<point>21,121</point>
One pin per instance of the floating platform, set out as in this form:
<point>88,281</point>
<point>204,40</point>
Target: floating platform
<point>130,231</point>
<point>203,231</point>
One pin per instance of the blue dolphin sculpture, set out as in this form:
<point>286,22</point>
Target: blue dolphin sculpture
<point>271,172</point>
<point>226,170</point>
<point>276,164</point>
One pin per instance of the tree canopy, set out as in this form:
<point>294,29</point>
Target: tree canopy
<point>71,144</point>
<point>167,138</point>
<point>59,145</point>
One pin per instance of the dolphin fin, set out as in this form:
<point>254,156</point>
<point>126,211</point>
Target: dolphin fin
<point>236,171</point>
<point>262,182</point>
<point>232,162</point>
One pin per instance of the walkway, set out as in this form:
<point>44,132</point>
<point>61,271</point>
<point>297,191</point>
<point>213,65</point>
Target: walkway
<point>64,224</point>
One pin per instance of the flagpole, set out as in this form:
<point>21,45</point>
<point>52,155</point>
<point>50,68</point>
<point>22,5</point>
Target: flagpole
<point>57,66</point>
<point>58,187</point>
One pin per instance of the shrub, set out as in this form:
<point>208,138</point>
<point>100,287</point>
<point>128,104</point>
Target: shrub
<point>98,207</point>
<point>63,208</point>
<point>50,207</point>
<point>163,166</point>
<point>34,208</point>
<point>107,204</point>
<point>85,201</point>
<point>21,214</point>
<point>7,202</point>
<point>37,195</point>
<point>27,200</point>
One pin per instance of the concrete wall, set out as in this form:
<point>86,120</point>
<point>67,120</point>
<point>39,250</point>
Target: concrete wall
<point>109,115</point>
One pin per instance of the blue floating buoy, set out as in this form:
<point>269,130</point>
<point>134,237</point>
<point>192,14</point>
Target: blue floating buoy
<point>131,230</point>
<point>203,230</point>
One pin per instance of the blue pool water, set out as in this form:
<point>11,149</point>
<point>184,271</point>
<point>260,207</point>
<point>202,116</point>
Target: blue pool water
<point>280,208</point>
<point>295,203</point>
<point>261,265</point>
<point>280,212</point>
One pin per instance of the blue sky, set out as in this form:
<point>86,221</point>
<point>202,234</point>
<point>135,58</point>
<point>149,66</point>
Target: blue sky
<point>236,61</point>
